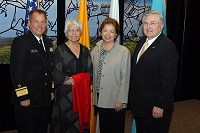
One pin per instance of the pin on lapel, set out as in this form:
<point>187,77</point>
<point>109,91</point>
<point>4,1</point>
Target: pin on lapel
<point>51,49</point>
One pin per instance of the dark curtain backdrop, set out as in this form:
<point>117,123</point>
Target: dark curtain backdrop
<point>175,31</point>
<point>183,30</point>
<point>7,117</point>
<point>190,77</point>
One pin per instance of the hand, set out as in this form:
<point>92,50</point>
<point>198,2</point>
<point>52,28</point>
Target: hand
<point>118,106</point>
<point>25,103</point>
<point>52,96</point>
<point>157,112</point>
<point>70,81</point>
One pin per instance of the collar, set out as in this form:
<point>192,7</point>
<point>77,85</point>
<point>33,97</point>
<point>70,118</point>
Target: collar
<point>39,38</point>
<point>152,40</point>
<point>100,43</point>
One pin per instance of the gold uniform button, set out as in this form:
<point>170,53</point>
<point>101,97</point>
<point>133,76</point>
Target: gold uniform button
<point>45,64</point>
<point>51,63</point>
<point>45,74</point>
<point>45,83</point>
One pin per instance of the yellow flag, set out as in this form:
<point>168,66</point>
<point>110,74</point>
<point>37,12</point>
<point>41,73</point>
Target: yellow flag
<point>83,18</point>
<point>85,40</point>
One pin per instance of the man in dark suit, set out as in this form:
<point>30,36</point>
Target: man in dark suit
<point>153,77</point>
<point>32,77</point>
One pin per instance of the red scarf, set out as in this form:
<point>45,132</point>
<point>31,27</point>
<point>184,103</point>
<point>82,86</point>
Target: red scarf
<point>81,99</point>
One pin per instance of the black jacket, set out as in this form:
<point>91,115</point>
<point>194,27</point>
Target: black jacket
<point>31,71</point>
<point>153,77</point>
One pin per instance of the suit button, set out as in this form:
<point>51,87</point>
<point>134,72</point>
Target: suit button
<point>45,74</point>
<point>19,86</point>
<point>101,88</point>
<point>45,64</point>
<point>102,75</point>
<point>45,83</point>
<point>51,63</point>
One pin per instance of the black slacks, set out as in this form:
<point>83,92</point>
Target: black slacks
<point>111,121</point>
<point>32,120</point>
<point>153,125</point>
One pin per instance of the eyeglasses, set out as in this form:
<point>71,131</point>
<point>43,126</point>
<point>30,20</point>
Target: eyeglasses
<point>73,30</point>
<point>150,24</point>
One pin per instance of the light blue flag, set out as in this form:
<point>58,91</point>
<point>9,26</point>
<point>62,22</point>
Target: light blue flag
<point>160,6</point>
<point>133,127</point>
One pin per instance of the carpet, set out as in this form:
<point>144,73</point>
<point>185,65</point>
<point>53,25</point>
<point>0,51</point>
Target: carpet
<point>185,118</point>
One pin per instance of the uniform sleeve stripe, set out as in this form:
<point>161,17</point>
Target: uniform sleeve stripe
<point>22,88</point>
<point>21,92</point>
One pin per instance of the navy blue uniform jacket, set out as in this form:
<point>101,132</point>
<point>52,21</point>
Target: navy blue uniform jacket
<point>31,71</point>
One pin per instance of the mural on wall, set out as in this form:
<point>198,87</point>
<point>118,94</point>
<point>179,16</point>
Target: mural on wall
<point>12,16</point>
<point>98,10</point>
<point>133,14</point>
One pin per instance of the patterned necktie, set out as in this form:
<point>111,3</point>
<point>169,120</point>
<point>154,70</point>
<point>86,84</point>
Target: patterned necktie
<point>144,48</point>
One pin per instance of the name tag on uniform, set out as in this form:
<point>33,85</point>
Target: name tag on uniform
<point>34,50</point>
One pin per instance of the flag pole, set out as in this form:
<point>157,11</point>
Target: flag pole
<point>38,3</point>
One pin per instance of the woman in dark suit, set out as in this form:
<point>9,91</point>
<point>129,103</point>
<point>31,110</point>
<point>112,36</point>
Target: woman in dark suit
<point>70,58</point>
<point>153,77</point>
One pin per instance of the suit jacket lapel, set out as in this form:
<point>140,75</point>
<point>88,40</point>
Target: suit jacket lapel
<point>149,50</point>
<point>47,47</point>
<point>137,49</point>
<point>45,44</point>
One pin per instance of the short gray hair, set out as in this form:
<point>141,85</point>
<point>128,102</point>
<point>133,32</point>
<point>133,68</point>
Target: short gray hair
<point>154,12</point>
<point>74,21</point>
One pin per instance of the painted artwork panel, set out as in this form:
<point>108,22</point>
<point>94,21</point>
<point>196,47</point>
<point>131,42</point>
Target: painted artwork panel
<point>12,16</point>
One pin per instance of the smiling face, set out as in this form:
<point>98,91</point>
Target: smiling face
<point>108,33</point>
<point>151,26</point>
<point>37,24</point>
<point>73,33</point>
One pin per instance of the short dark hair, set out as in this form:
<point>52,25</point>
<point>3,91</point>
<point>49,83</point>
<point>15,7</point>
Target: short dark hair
<point>38,11</point>
<point>113,22</point>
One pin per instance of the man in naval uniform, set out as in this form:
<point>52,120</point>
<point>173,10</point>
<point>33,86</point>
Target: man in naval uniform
<point>32,76</point>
